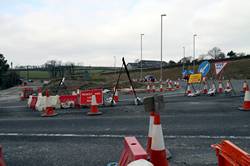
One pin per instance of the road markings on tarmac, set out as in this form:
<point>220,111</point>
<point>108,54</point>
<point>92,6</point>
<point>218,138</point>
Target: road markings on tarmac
<point>14,106</point>
<point>121,136</point>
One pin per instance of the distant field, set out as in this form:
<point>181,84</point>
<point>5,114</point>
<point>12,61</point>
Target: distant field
<point>45,75</point>
<point>35,74</point>
<point>239,69</point>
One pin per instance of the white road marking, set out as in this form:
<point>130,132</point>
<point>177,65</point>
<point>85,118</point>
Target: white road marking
<point>121,136</point>
<point>14,106</point>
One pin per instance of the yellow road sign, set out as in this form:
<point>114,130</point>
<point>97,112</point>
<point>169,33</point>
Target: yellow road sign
<point>194,78</point>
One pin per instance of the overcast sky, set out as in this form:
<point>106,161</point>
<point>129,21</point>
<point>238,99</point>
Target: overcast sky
<point>92,32</point>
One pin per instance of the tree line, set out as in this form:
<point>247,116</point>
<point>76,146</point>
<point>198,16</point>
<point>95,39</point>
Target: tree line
<point>8,78</point>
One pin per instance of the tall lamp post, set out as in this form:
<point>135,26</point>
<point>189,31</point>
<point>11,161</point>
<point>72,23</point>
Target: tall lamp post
<point>162,15</point>
<point>141,56</point>
<point>194,50</point>
<point>183,58</point>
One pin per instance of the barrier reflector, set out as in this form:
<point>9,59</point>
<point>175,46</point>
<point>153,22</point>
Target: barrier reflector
<point>2,162</point>
<point>132,151</point>
<point>229,154</point>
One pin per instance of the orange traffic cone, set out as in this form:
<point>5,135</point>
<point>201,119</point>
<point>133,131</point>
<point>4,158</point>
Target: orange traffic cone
<point>188,90</point>
<point>153,88</point>
<point>220,90</point>
<point>116,97</point>
<point>148,88</point>
<point>131,90</point>
<point>49,111</point>
<point>151,123</point>
<point>93,108</point>
<point>246,104</point>
<point>158,152</point>
<point>177,85</point>
<point>205,90</point>
<point>245,86</point>
<point>161,89</point>
<point>228,85</point>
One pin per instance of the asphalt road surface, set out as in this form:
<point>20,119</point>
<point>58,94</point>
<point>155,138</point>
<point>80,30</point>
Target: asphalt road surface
<point>190,126</point>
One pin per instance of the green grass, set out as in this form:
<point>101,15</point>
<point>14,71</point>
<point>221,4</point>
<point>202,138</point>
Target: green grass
<point>35,74</point>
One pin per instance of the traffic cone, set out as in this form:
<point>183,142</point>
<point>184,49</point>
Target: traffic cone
<point>93,108</point>
<point>245,86</point>
<point>151,123</point>
<point>148,88</point>
<point>177,85</point>
<point>246,104</point>
<point>153,88</point>
<point>220,90</point>
<point>158,155</point>
<point>49,111</point>
<point>131,90</point>
<point>228,85</point>
<point>116,97</point>
<point>170,86</point>
<point>205,90</point>
<point>161,89</point>
<point>188,90</point>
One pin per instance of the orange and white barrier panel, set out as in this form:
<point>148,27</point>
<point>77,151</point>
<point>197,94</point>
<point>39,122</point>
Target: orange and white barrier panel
<point>2,162</point>
<point>132,151</point>
<point>229,154</point>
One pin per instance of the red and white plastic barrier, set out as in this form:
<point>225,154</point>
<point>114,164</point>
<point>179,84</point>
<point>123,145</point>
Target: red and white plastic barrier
<point>2,162</point>
<point>132,151</point>
<point>229,154</point>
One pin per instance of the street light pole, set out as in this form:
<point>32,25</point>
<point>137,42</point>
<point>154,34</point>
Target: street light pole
<point>115,63</point>
<point>161,44</point>
<point>141,56</point>
<point>194,50</point>
<point>183,58</point>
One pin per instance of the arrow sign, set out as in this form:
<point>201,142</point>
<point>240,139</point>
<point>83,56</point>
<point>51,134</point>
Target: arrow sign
<point>204,68</point>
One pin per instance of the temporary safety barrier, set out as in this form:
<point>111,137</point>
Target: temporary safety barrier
<point>132,151</point>
<point>54,102</point>
<point>40,104</point>
<point>68,101</point>
<point>86,96</point>
<point>50,103</point>
<point>33,102</point>
<point>229,154</point>
<point>2,162</point>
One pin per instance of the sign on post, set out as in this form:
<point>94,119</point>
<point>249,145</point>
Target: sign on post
<point>204,68</point>
<point>194,78</point>
<point>86,95</point>
<point>219,66</point>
